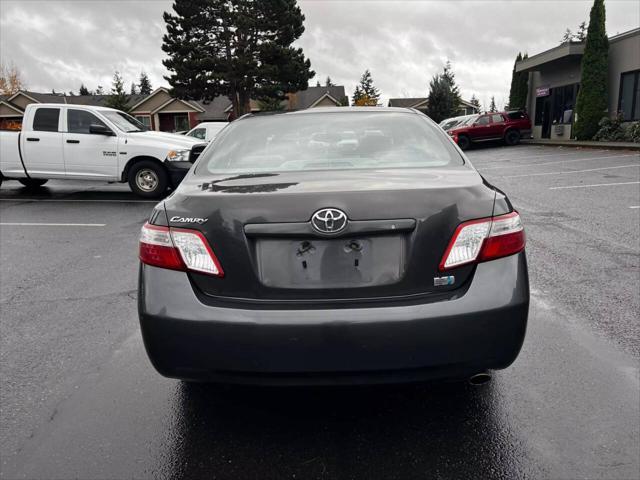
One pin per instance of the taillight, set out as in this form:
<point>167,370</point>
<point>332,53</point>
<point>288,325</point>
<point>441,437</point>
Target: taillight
<point>177,249</point>
<point>484,239</point>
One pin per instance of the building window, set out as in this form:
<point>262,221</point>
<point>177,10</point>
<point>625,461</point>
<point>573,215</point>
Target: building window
<point>629,101</point>
<point>181,122</point>
<point>145,120</point>
<point>564,102</point>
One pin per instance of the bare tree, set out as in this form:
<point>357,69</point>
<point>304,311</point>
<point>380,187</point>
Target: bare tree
<point>11,80</point>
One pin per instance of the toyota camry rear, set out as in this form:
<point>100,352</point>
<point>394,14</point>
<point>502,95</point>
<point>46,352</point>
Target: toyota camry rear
<point>329,246</point>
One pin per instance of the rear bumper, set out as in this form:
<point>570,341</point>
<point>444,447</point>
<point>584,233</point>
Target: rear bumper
<point>482,329</point>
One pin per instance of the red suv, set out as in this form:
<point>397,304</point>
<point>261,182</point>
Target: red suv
<point>507,126</point>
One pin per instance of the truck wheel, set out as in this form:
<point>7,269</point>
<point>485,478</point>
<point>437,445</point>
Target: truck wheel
<point>33,182</point>
<point>512,137</point>
<point>148,179</point>
<point>463,142</point>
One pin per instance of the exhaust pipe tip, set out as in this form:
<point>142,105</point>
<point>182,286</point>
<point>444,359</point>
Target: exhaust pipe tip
<point>479,379</point>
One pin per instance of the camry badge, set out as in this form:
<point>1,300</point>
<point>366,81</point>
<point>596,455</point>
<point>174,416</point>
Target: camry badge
<point>329,220</point>
<point>197,220</point>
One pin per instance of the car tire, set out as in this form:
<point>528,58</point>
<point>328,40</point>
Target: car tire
<point>148,179</point>
<point>33,182</point>
<point>512,137</point>
<point>463,142</point>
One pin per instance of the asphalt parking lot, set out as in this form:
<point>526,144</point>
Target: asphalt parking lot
<point>79,398</point>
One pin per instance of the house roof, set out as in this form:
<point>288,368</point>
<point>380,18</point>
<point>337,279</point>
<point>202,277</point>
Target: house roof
<point>406,102</point>
<point>312,95</point>
<point>216,110</point>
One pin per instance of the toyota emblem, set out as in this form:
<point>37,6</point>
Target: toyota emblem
<point>329,220</point>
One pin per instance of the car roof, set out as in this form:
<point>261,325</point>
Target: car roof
<point>351,109</point>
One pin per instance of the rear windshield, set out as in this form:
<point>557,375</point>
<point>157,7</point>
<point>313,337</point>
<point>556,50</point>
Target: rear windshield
<point>328,141</point>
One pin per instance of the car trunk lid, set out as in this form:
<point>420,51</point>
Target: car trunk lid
<point>399,225</point>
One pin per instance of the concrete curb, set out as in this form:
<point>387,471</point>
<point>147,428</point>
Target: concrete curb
<point>577,144</point>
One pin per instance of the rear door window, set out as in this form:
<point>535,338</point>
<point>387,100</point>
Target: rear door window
<point>497,118</point>
<point>46,120</point>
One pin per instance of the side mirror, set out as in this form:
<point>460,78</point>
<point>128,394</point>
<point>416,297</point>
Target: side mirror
<point>98,129</point>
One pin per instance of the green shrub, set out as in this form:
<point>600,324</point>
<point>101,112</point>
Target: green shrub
<point>633,132</point>
<point>610,130</point>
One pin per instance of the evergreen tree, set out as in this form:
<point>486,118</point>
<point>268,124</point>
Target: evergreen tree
<point>144,84</point>
<point>236,48</point>
<point>133,90</point>
<point>475,102</point>
<point>318,84</point>
<point>366,94</point>
<point>118,98</point>
<point>443,100</point>
<point>519,86</point>
<point>581,36</point>
<point>99,90</point>
<point>567,37</point>
<point>492,105</point>
<point>513,91</point>
<point>328,82</point>
<point>591,104</point>
<point>83,90</point>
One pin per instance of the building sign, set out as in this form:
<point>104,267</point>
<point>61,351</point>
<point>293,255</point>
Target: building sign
<point>542,91</point>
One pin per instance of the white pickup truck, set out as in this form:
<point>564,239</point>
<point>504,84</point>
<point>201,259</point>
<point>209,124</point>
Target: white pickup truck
<point>94,143</point>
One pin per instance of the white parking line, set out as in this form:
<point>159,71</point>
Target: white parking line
<point>74,201</point>
<point>506,158</point>
<point>634,206</point>
<point>53,224</point>
<point>569,171</point>
<point>557,161</point>
<point>594,185</point>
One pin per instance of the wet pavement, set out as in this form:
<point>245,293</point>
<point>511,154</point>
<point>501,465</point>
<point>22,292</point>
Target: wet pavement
<point>79,398</point>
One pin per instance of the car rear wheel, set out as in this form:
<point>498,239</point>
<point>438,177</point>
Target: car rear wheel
<point>33,182</point>
<point>464,142</point>
<point>512,137</point>
<point>148,179</point>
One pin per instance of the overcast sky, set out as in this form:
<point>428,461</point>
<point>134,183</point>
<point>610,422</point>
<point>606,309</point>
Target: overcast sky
<point>61,44</point>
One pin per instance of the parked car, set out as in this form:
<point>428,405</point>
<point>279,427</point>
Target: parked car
<point>94,143</point>
<point>206,131</point>
<point>301,262</point>
<point>507,126</point>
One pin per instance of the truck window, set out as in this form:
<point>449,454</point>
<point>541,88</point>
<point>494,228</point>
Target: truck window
<point>46,120</point>
<point>497,118</point>
<point>79,121</point>
<point>198,133</point>
<point>484,120</point>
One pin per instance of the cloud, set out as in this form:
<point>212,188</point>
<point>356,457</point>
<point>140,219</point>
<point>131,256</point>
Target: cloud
<point>61,44</point>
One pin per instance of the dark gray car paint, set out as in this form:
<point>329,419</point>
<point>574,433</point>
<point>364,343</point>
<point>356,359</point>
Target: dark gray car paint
<point>385,319</point>
<point>482,329</point>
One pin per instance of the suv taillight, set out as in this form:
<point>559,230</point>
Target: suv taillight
<point>484,239</point>
<point>177,249</point>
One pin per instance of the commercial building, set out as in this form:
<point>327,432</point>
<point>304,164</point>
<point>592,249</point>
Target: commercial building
<point>554,82</point>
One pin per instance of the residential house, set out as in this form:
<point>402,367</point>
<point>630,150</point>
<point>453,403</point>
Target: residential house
<point>160,111</point>
<point>420,103</point>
